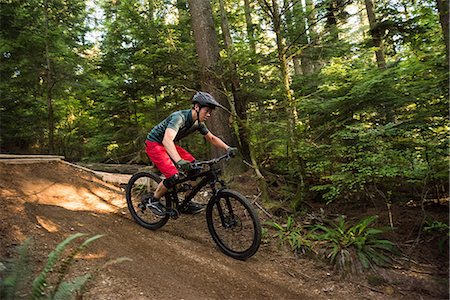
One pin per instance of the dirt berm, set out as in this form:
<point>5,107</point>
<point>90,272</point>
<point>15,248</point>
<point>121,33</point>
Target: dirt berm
<point>48,201</point>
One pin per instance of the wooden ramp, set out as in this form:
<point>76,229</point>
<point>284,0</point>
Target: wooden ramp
<point>28,159</point>
<point>113,178</point>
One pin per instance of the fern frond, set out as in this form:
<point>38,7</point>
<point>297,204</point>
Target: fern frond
<point>40,282</point>
<point>98,270</point>
<point>18,273</point>
<point>65,266</point>
<point>66,289</point>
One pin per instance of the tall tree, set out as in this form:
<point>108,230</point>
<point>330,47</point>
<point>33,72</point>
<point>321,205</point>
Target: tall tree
<point>332,8</point>
<point>376,34</point>
<point>42,59</point>
<point>443,8</point>
<point>208,54</point>
<point>299,30</point>
<point>240,104</point>
<point>240,100</point>
<point>50,82</point>
<point>296,161</point>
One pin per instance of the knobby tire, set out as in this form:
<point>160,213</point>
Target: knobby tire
<point>241,236</point>
<point>142,185</point>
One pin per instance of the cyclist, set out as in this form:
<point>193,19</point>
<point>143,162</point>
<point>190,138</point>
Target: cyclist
<point>170,158</point>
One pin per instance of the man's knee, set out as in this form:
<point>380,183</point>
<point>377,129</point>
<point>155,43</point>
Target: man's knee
<point>171,181</point>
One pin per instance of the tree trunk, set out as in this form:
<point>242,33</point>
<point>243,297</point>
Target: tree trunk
<point>331,23</point>
<point>240,101</point>
<point>289,102</point>
<point>291,110</point>
<point>208,54</point>
<point>250,26</point>
<point>241,109</point>
<point>443,8</point>
<point>376,35</point>
<point>301,26</point>
<point>297,65</point>
<point>50,117</point>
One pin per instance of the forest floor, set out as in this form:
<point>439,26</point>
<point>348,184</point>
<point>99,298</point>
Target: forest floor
<point>49,201</point>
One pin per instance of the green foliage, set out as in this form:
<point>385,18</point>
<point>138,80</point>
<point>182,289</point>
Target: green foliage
<point>375,129</point>
<point>25,86</point>
<point>442,229</point>
<point>361,130</point>
<point>46,286</point>
<point>298,239</point>
<point>349,247</point>
<point>14,282</point>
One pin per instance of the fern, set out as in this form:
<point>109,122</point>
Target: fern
<point>94,275</point>
<point>20,268</point>
<point>294,235</point>
<point>40,282</point>
<point>66,289</point>
<point>348,248</point>
<point>65,266</point>
<point>19,273</point>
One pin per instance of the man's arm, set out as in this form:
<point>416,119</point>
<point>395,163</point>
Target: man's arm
<point>217,142</point>
<point>168,143</point>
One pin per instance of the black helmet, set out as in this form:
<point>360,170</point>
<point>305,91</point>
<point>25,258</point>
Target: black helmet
<point>205,99</point>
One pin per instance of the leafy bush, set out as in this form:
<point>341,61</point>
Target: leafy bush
<point>350,247</point>
<point>298,239</point>
<point>18,273</point>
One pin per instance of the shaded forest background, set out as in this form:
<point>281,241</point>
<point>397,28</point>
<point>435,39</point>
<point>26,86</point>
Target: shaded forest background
<point>328,99</point>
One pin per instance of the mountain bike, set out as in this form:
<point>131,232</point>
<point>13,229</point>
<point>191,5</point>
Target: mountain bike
<point>232,221</point>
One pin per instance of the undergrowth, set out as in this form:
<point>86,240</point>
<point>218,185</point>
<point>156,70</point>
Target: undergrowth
<point>348,248</point>
<point>51,283</point>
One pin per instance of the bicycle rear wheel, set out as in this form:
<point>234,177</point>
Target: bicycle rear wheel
<point>140,188</point>
<point>233,224</point>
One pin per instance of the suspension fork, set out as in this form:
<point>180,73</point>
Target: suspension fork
<point>227,217</point>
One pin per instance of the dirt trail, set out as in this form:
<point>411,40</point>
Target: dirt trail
<point>49,201</point>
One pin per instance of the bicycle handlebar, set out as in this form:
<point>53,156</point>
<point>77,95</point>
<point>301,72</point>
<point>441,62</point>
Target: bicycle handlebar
<point>199,164</point>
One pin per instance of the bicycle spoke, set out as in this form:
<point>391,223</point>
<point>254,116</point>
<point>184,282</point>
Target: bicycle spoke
<point>140,189</point>
<point>233,225</point>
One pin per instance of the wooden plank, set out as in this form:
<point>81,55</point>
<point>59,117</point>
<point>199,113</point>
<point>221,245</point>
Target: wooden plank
<point>27,156</point>
<point>28,160</point>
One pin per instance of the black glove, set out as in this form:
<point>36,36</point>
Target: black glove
<point>184,166</point>
<point>232,151</point>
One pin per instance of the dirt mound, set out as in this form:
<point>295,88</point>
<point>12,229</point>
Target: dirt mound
<point>50,201</point>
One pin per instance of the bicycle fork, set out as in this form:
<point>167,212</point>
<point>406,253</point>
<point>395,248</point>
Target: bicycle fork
<point>226,214</point>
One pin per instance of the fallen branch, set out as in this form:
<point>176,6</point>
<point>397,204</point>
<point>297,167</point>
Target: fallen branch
<point>368,287</point>
<point>262,208</point>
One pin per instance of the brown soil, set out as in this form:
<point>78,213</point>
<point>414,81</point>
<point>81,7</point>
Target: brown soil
<point>49,201</point>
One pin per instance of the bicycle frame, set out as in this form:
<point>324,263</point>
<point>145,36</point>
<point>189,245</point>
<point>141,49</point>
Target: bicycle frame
<point>232,221</point>
<point>210,177</point>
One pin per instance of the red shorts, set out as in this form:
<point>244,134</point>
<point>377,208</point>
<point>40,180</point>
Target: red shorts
<point>159,156</point>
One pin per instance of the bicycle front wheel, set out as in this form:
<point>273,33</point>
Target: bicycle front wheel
<point>233,224</point>
<point>140,188</point>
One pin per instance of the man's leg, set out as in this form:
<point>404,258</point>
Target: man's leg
<point>158,155</point>
<point>161,190</point>
<point>191,207</point>
<point>186,156</point>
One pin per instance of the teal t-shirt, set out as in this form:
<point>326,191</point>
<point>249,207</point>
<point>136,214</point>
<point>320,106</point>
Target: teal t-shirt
<point>181,121</point>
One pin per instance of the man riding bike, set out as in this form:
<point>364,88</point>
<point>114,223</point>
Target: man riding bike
<point>170,158</point>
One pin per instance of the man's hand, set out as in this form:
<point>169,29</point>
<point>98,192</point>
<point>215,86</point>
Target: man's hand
<point>232,151</point>
<point>184,166</point>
